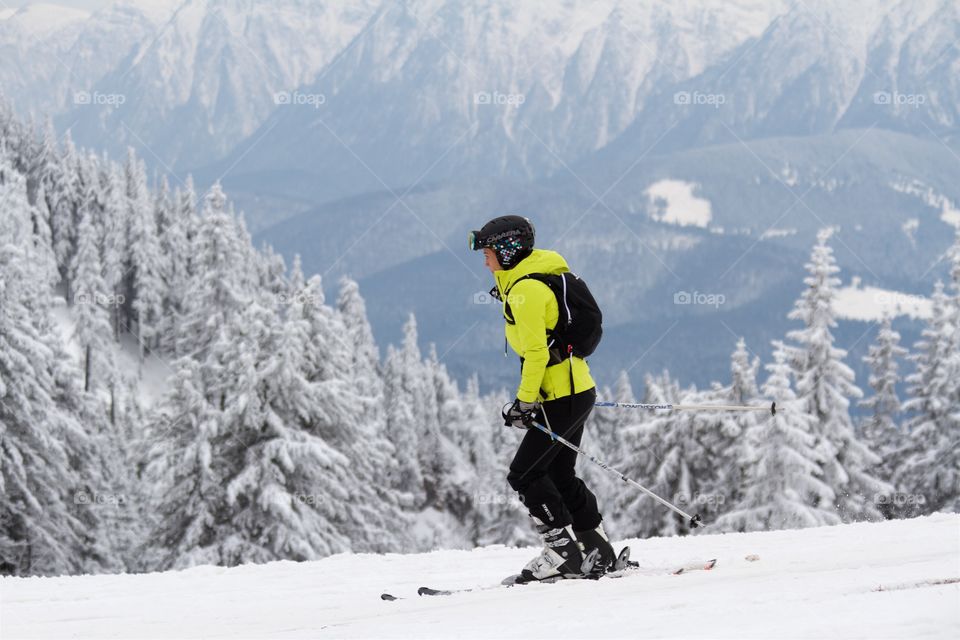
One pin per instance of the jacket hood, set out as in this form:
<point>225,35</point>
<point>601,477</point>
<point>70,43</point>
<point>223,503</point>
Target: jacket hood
<point>539,261</point>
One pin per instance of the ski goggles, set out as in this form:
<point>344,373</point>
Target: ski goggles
<point>474,242</point>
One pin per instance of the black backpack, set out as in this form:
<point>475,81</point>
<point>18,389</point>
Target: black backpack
<point>580,322</point>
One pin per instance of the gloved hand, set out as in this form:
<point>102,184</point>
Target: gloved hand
<point>520,414</point>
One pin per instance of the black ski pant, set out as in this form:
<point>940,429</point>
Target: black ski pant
<point>542,471</point>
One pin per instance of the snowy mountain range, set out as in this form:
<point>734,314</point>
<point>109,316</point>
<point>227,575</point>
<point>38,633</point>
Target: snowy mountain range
<point>367,136</point>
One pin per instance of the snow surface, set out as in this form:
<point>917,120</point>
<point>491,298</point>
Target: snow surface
<point>151,377</point>
<point>873,303</point>
<point>895,579</point>
<point>778,233</point>
<point>949,212</point>
<point>673,202</point>
<point>910,229</point>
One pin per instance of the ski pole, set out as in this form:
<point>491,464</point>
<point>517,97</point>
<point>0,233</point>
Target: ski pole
<point>689,407</point>
<point>694,519</point>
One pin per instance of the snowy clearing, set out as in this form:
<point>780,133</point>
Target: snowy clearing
<point>896,579</point>
<point>869,304</point>
<point>949,213</point>
<point>673,202</point>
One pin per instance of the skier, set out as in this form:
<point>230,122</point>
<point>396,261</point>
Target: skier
<point>554,385</point>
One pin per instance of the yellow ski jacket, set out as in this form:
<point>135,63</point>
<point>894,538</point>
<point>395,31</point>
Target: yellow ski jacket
<point>534,309</point>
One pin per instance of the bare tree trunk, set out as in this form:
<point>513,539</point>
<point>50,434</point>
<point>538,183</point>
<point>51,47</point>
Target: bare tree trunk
<point>87,364</point>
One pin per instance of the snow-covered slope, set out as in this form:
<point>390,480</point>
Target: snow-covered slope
<point>897,579</point>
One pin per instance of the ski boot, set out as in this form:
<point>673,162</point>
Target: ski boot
<point>561,556</point>
<point>597,539</point>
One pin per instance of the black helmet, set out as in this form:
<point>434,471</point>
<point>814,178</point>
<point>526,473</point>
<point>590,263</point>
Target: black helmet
<point>510,237</point>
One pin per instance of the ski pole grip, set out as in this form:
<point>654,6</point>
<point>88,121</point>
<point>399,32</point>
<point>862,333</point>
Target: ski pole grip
<point>696,521</point>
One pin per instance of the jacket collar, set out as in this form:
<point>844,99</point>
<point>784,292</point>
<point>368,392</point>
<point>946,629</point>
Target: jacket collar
<point>539,261</point>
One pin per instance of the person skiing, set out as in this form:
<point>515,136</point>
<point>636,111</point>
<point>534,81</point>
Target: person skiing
<point>555,390</point>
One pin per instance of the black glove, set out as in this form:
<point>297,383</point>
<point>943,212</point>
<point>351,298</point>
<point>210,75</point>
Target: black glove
<point>520,414</point>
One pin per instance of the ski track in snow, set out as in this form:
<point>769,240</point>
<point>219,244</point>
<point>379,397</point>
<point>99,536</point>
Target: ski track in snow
<point>894,579</point>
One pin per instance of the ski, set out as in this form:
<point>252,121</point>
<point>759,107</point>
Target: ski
<point>623,567</point>
<point>697,566</point>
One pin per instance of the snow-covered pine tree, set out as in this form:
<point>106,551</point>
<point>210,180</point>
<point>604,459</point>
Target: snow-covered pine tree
<point>371,452</point>
<point>189,219</point>
<point>187,462</point>
<point>644,448</point>
<point>172,247</point>
<point>115,252</point>
<point>92,318</point>
<point>880,429</point>
<point>220,285</point>
<point>95,497</point>
<point>371,517</point>
<point>131,515</point>
<point>403,382</point>
<point>178,230</point>
<point>40,533</point>
<point>929,474</point>
<point>288,492</point>
<point>415,390</point>
<point>188,485</point>
<point>64,194</point>
<point>720,473</point>
<point>44,168</point>
<point>783,484</point>
<point>47,272</point>
<point>743,390</point>
<point>43,177</point>
<point>826,385</point>
<point>497,515</point>
<point>448,465</point>
<point>145,258</point>
<point>271,271</point>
